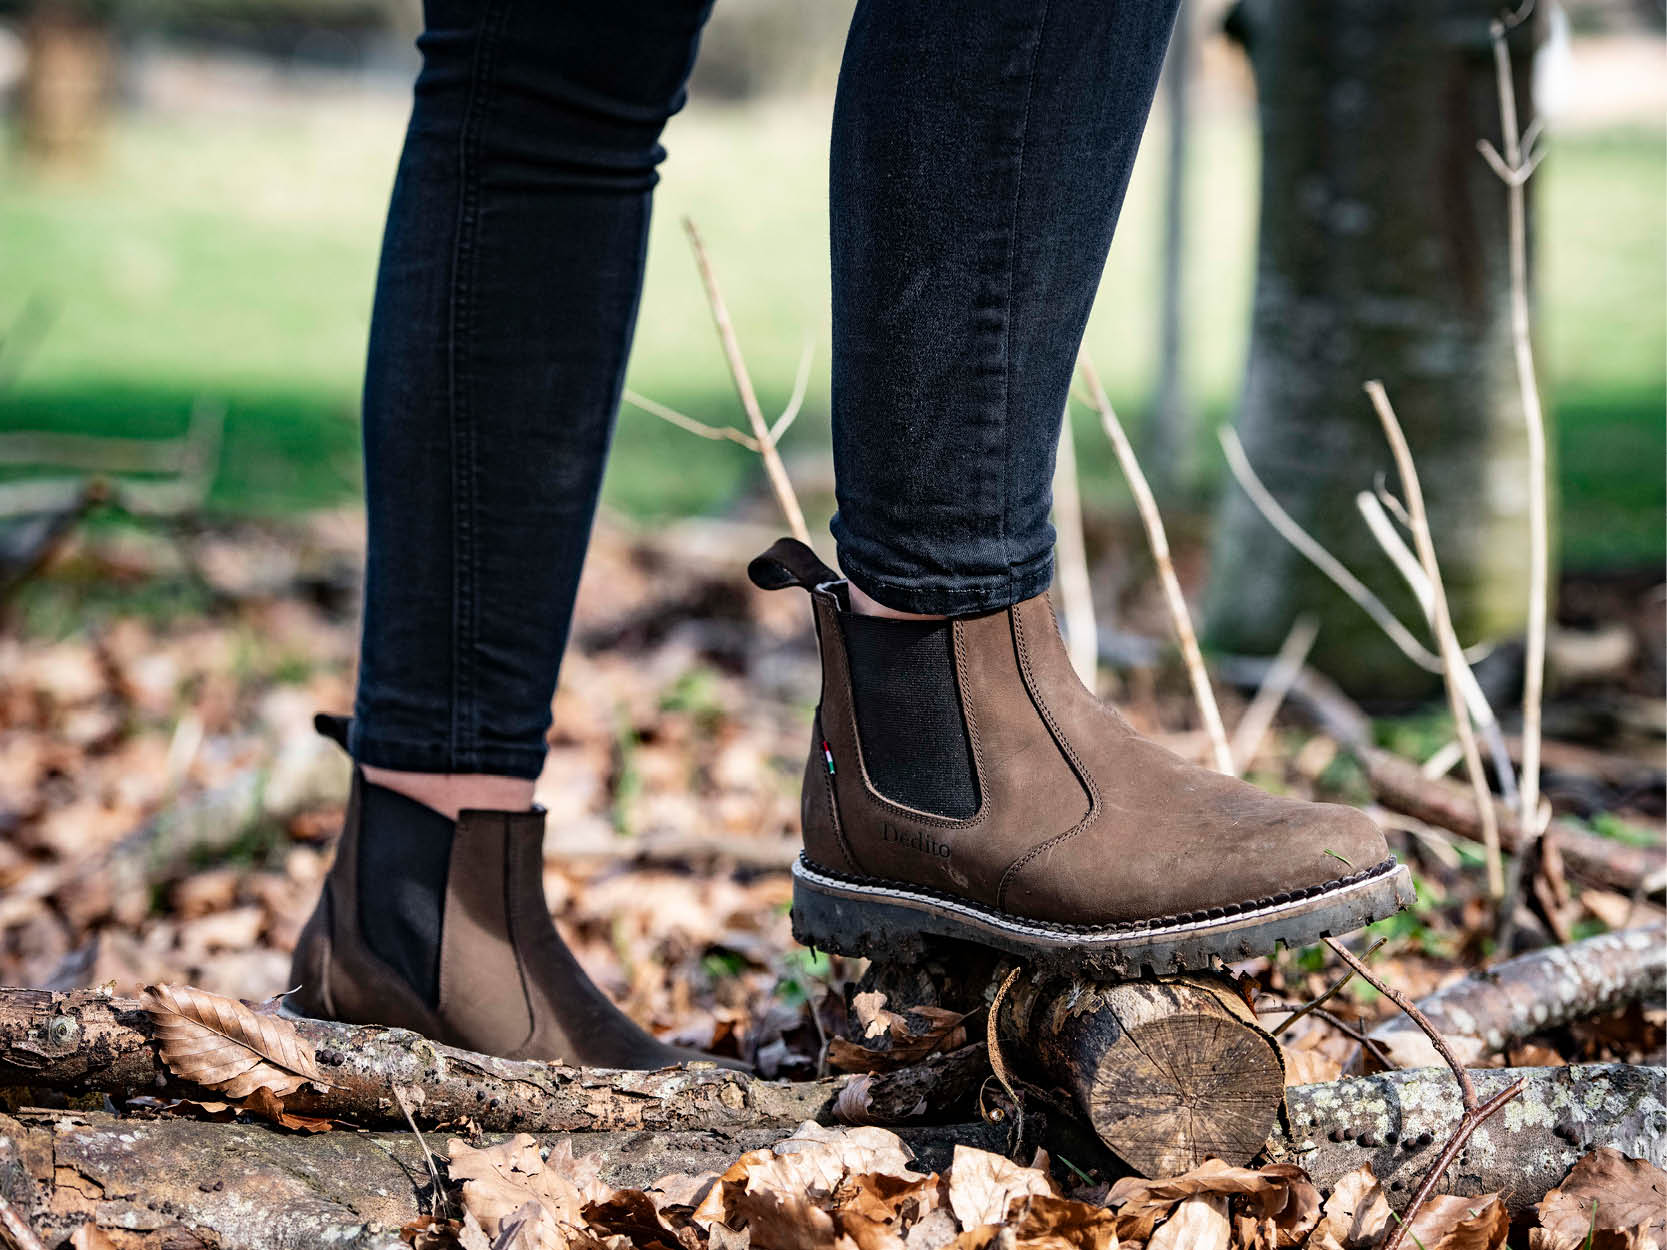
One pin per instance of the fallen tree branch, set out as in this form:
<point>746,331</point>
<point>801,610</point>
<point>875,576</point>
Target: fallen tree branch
<point>88,1043</point>
<point>189,1183</point>
<point>1400,1121</point>
<point>244,1186</point>
<point>1488,1010</point>
<point>1401,786</point>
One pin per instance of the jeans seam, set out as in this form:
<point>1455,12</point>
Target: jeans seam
<point>1012,264</point>
<point>465,625</point>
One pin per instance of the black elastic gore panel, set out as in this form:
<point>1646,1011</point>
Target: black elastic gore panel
<point>404,860</point>
<point>914,739</point>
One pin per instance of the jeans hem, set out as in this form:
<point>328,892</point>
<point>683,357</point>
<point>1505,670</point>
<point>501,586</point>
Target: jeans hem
<point>435,755</point>
<point>953,596</point>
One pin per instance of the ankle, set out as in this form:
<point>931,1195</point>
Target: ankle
<point>867,605</point>
<point>452,793</point>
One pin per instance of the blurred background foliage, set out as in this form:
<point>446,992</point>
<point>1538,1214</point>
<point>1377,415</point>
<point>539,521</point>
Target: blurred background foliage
<point>209,229</point>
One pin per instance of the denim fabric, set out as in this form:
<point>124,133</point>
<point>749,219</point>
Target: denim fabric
<point>980,155</point>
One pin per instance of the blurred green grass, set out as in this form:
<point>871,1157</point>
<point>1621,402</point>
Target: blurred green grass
<point>232,258</point>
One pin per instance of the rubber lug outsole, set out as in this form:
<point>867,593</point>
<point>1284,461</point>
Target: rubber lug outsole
<point>886,920</point>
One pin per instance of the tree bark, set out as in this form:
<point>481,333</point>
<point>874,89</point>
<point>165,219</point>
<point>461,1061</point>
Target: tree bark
<point>186,1183</point>
<point>84,1042</point>
<point>1399,1122</point>
<point>1482,1014</point>
<point>1381,254</point>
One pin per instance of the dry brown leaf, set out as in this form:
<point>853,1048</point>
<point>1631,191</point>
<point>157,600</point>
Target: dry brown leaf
<point>264,1103</point>
<point>804,1176</point>
<point>90,1237</point>
<point>1446,1222</point>
<point>921,1032</point>
<point>983,1185</point>
<point>219,1043</point>
<point>1044,1222</point>
<point>1199,1223</point>
<point>1280,1193</point>
<point>1356,1216</point>
<point>869,1007</point>
<point>1310,1067</point>
<point>1606,1192</point>
<point>518,1201</point>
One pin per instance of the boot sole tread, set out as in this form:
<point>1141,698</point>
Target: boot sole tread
<point>875,918</point>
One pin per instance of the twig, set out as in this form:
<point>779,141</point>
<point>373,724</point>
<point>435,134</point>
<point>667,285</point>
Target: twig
<point>1481,711</point>
<point>773,467</point>
<point>1076,591</point>
<point>801,388</point>
<point>682,422</point>
<point>1367,1042</point>
<point>1320,558</point>
<point>16,1228</point>
<point>1287,666</point>
<point>1336,988</point>
<point>1514,171</point>
<point>1446,639</point>
<point>1474,1113</point>
<point>1467,1090</point>
<point>428,1155</point>
<point>1159,542</point>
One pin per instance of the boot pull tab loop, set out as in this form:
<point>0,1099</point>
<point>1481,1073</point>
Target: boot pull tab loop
<point>789,562</point>
<point>334,728</point>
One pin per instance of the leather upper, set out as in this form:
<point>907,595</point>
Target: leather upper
<point>1080,820</point>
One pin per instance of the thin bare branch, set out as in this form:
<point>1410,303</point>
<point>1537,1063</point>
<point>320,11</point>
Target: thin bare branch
<point>1320,558</point>
<point>1076,590</point>
<point>1159,542</point>
<point>1335,989</point>
<point>1287,667</point>
<point>682,422</point>
<point>1467,1090</point>
<point>1474,1113</point>
<point>1446,639</point>
<point>773,467</point>
<point>1539,543</point>
<point>801,387</point>
<point>1481,711</point>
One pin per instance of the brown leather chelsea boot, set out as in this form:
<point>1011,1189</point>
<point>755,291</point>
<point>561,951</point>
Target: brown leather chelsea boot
<point>963,784</point>
<point>497,978</point>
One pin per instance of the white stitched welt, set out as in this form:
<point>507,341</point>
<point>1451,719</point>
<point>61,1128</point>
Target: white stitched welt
<point>801,869</point>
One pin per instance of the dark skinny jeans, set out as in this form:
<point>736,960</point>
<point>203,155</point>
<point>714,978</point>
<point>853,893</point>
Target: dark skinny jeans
<point>981,150</point>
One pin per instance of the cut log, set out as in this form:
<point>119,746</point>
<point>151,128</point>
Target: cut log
<point>1489,1009</point>
<point>84,1042</point>
<point>1400,1121</point>
<point>1167,1072</point>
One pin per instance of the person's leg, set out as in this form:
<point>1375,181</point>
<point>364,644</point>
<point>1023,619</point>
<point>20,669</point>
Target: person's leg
<point>981,149</point>
<point>505,302</point>
<point>962,783</point>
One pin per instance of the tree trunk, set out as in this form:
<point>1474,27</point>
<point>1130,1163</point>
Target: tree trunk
<point>68,78</point>
<point>1381,254</point>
